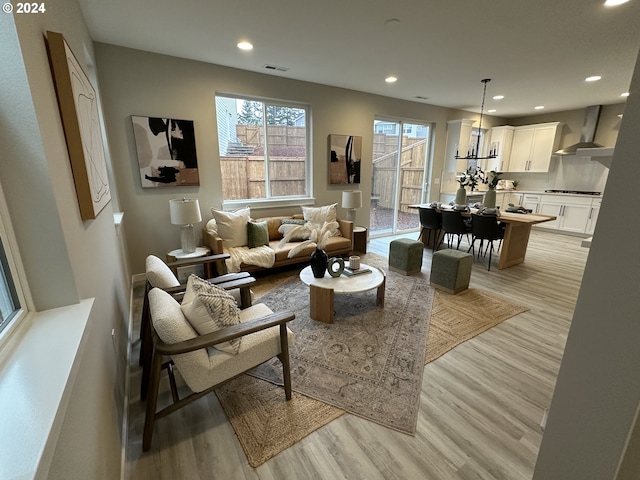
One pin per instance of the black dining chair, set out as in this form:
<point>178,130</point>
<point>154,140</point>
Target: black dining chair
<point>454,224</point>
<point>485,228</point>
<point>430,221</point>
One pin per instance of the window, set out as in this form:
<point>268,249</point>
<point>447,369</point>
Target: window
<point>263,149</point>
<point>9,304</point>
<point>12,299</point>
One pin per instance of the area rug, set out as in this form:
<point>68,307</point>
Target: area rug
<point>369,362</point>
<point>266,424</point>
<point>458,318</point>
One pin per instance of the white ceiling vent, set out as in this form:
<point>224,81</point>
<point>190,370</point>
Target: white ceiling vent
<point>275,67</point>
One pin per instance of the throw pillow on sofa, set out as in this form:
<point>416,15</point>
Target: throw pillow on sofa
<point>293,228</point>
<point>232,226</point>
<point>257,234</point>
<point>319,216</point>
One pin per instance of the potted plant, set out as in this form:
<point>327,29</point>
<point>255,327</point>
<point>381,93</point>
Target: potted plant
<point>471,178</point>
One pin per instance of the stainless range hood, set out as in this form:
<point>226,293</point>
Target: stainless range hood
<point>587,134</point>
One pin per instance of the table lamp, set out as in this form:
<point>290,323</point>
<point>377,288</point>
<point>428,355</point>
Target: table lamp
<point>185,212</point>
<point>351,199</point>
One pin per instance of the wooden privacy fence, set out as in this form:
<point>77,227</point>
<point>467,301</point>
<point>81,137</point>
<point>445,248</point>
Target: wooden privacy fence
<point>244,173</point>
<point>412,162</point>
<point>244,177</point>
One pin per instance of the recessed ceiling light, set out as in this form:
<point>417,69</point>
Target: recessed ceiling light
<point>493,110</point>
<point>593,78</point>
<point>625,94</point>
<point>619,115</point>
<point>245,45</point>
<point>391,79</point>
<point>498,97</point>
<point>614,3</point>
<point>539,107</point>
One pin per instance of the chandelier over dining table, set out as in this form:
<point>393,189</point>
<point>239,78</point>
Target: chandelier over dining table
<point>474,150</point>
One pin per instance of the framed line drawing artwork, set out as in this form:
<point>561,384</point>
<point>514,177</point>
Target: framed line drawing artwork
<point>78,105</point>
<point>345,155</point>
<point>166,149</point>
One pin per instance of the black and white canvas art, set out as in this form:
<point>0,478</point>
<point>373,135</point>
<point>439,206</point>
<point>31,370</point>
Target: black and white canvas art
<point>166,150</point>
<point>344,159</point>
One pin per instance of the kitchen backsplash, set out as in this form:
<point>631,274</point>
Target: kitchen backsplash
<point>565,173</point>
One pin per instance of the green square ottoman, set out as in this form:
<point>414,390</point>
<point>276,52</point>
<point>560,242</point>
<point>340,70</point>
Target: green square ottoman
<point>405,256</point>
<point>451,270</point>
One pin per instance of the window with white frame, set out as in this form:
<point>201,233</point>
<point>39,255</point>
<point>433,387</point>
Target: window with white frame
<point>264,152</point>
<point>9,303</point>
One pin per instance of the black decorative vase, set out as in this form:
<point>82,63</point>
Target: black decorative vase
<point>319,260</point>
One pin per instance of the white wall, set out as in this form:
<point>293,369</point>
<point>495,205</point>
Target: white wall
<point>141,83</point>
<point>66,259</point>
<point>597,394</point>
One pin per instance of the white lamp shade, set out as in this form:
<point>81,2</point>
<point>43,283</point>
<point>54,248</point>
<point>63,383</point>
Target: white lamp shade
<point>184,211</point>
<point>352,199</point>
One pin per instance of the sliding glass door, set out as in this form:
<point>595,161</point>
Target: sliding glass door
<point>400,166</point>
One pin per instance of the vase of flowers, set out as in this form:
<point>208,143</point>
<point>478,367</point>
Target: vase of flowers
<point>318,236</point>
<point>491,180</point>
<point>319,260</point>
<point>471,178</point>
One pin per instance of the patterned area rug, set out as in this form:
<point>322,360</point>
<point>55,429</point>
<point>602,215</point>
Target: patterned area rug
<point>370,361</point>
<point>266,424</point>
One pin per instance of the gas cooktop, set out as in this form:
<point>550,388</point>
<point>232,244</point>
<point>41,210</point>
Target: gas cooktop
<point>575,192</point>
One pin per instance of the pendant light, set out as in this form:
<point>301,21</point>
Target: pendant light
<point>473,154</point>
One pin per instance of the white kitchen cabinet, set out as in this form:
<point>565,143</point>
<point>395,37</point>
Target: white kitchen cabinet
<point>499,140</point>
<point>593,216</point>
<point>531,202</point>
<point>514,198</point>
<point>533,146</point>
<point>459,141</point>
<point>573,212</point>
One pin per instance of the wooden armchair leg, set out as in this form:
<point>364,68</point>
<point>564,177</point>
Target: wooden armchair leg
<point>152,400</point>
<point>245,297</point>
<point>284,358</point>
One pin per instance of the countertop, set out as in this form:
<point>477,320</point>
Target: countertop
<point>532,192</point>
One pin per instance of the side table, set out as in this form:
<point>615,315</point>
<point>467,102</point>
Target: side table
<point>178,254</point>
<point>360,239</point>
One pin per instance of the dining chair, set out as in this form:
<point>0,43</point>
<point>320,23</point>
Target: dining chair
<point>454,224</point>
<point>485,228</point>
<point>430,221</point>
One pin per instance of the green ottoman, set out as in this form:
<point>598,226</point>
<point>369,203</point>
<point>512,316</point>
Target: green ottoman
<point>405,256</point>
<point>451,270</point>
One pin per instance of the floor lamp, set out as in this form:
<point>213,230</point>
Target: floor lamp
<point>351,199</point>
<point>185,212</point>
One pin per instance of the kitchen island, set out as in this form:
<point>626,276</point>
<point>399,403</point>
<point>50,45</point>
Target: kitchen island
<point>516,234</point>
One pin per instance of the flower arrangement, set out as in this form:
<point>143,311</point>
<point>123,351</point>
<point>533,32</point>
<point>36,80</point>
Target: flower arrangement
<point>318,236</point>
<point>492,179</point>
<point>472,177</point>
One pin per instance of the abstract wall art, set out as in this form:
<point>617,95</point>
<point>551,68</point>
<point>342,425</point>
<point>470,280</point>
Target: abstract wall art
<point>78,105</point>
<point>345,154</point>
<point>166,150</point>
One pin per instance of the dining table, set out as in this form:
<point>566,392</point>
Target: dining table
<point>516,233</point>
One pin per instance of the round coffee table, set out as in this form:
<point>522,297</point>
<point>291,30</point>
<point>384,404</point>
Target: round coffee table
<point>322,290</point>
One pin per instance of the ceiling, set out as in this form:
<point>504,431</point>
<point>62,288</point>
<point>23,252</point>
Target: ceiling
<point>536,52</point>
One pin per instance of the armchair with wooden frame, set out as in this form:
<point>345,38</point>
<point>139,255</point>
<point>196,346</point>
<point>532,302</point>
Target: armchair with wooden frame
<point>164,276</point>
<point>264,335</point>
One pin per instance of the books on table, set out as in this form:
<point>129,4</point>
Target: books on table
<point>352,273</point>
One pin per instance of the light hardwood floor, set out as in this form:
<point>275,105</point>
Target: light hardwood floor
<point>481,406</point>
